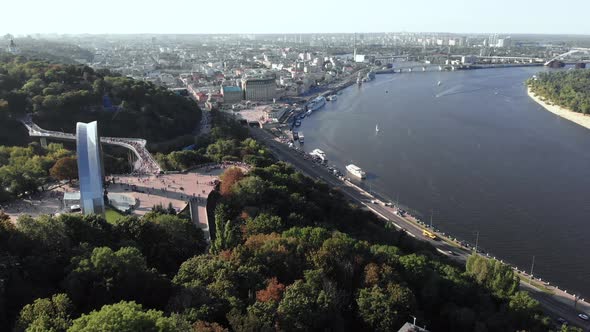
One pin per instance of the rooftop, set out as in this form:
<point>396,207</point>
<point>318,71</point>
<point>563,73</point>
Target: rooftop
<point>232,89</point>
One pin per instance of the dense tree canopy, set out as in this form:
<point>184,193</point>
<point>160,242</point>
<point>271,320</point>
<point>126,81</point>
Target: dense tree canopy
<point>52,314</point>
<point>61,95</point>
<point>127,317</point>
<point>26,169</point>
<point>570,89</point>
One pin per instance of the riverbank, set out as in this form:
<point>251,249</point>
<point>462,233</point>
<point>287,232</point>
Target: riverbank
<point>556,302</point>
<point>575,117</point>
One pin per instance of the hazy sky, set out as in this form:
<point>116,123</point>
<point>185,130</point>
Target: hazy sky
<point>293,16</point>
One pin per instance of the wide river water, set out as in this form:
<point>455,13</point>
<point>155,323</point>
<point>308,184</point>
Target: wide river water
<point>479,155</point>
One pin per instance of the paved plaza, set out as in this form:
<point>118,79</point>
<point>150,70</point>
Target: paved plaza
<point>147,190</point>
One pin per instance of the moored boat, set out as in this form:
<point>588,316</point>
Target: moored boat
<point>356,171</point>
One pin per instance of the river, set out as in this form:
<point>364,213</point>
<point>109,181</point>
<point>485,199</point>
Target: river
<point>477,154</point>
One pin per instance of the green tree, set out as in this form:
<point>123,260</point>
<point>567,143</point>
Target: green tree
<point>168,240</point>
<point>385,309</point>
<point>310,304</point>
<point>50,314</point>
<point>493,274</point>
<point>227,231</point>
<point>264,223</point>
<point>106,276</point>
<point>127,317</point>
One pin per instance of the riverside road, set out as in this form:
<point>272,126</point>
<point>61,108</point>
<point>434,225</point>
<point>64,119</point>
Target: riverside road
<point>557,304</point>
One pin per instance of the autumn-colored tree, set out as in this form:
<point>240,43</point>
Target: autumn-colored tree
<point>371,274</point>
<point>273,291</point>
<point>4,218</point>
<point>229,178</point>
<point>65,168</point>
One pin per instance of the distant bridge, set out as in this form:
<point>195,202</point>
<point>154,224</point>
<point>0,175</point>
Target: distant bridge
<point>577,50</point>
<point>145,163</point>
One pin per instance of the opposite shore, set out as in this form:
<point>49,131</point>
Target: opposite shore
<point>565,113</point>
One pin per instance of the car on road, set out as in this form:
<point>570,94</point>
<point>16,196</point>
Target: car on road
<point>583,316</point>
<point>388,204</point>
<point>373,201</point>
<point>450,252</point>
<point>561,321</point>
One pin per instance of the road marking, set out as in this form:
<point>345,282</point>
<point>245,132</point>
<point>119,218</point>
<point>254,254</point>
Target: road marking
<point>410,234</point>
<point>376,212</point>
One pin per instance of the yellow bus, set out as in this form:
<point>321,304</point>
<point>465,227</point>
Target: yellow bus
<point>429,234</point>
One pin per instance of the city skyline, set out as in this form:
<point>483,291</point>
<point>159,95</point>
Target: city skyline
<point>111,17</point>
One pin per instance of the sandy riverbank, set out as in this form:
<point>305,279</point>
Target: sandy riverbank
<point>575,117</point>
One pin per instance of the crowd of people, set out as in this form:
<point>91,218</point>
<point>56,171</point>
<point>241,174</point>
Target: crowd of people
<point>162,189</point>
<point>47,202</point>
<point>224,165</point>
<point>145,163</point>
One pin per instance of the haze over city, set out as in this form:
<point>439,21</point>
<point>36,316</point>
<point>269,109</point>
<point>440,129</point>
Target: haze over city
<point>304,16</point>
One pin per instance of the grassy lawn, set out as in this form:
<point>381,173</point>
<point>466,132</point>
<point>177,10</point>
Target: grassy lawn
<point>112,215</point>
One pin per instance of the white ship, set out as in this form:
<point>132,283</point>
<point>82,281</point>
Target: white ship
<point>439,83</point>
<point>356,171</point>
<point>319,154</point>
<point>316,104</point>
<point>377,128</point>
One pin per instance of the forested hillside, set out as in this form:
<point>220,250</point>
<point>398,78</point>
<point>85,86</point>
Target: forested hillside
<point>569,89</point>
<point>60,95</point>
<point>289,254</point>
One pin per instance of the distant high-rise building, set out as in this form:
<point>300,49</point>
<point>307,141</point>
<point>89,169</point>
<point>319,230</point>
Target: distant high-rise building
<point>492,40</point>
<point>504,42</point>
<point>90,168</point>
<point>12,47</point>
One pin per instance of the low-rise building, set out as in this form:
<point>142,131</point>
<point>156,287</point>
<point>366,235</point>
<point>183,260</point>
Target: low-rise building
<point>231,94</point>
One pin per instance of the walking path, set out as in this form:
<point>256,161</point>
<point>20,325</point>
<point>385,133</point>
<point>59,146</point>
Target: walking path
<point>145,164</point>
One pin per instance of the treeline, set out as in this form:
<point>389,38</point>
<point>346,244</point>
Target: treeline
<point>569,89</point>
<point>58,96</point>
